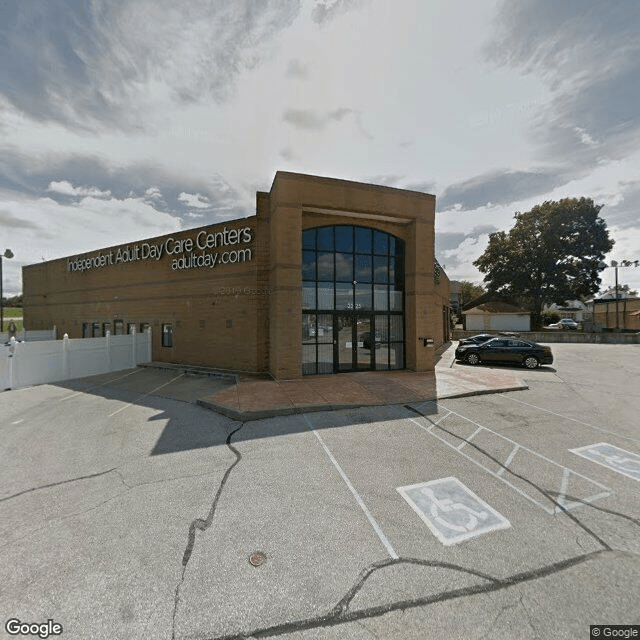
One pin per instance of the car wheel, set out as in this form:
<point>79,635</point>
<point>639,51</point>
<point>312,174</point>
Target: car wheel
<point>531,362</point>
<point>473,358</point>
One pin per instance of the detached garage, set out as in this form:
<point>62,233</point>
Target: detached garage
<point>497,316</point>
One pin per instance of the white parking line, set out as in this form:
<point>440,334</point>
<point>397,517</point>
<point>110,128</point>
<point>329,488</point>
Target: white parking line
<point>559,415</point>
<point>356,495</point>
<point>509,459</point>
<point>144,395</point>
<point>96,386</point>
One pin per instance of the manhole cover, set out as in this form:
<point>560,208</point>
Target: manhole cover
<point>257,558</point>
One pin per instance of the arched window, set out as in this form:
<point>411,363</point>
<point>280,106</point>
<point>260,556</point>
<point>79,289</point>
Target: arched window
<point>352,299</point>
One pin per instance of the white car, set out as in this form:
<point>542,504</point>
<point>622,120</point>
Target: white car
<point>565,323</point>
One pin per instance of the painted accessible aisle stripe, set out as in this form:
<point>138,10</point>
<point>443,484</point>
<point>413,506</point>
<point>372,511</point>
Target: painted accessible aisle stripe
<point>356,495</point>
<point>451,510</point>
<point>497,455</point>
<point>607,455</point>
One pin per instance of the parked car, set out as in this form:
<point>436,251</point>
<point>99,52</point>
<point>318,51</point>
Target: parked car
<point>506,350</point>
<point>565,323</point>
<point>478,339</point>
<point>370,339</point>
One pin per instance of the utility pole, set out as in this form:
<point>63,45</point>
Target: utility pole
<point>7,254</point>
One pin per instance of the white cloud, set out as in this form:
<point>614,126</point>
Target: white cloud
<point>58,229</point>
<point>153,193</point>
<point>195,200</point>
<point>66,188</point>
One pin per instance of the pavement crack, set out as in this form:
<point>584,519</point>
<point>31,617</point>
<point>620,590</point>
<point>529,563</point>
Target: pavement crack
<point>530,621</point>
<point>343,605</point>
<point>56,484</point>
<point>503,610</point>
<point>341,615</point>
<point>202,525</point>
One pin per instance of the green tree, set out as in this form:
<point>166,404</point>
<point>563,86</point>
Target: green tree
<point>553,253</point>
<point>470,291</point>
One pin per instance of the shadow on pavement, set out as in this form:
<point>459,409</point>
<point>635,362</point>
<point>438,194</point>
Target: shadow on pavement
<point>189,426</point>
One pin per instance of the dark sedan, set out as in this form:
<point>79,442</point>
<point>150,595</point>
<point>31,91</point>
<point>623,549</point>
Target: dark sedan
<point>506,350</point>
<point>477,339</point>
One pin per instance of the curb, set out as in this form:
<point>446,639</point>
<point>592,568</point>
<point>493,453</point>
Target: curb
<point>248,416</point>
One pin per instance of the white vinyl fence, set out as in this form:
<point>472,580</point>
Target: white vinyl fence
<point>26,363</point>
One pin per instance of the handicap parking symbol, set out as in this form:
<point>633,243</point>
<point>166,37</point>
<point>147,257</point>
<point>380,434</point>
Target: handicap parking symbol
<point>451,510</point>
<point>624,462</point>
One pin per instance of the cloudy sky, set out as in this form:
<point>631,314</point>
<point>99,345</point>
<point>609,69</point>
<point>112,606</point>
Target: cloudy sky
<point>125,119</point>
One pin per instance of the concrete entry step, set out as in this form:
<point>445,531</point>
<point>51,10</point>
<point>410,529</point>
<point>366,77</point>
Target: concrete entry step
<point>225,376</point>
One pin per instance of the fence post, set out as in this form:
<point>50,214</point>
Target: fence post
<point>149,343</point>
<point>12,355</point>
<point>134,353</point>
<point>108,348</point>
<point>66,361</point>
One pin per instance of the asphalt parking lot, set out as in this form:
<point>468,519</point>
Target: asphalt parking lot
<point>127,511</point>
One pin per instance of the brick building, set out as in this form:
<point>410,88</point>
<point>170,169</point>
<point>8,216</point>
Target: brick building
<point>328,276</point>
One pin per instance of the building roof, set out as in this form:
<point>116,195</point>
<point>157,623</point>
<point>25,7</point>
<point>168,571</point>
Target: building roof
<point>496,307</point>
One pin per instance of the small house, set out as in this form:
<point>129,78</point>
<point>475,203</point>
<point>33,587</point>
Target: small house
<point>497,316</point>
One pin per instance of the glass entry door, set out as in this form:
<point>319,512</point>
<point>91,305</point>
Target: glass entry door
<point>355,342</point>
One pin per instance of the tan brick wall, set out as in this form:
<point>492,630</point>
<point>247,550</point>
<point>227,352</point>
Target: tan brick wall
<point>197,302</point>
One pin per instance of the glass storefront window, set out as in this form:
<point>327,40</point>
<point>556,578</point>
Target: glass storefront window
<point>308,359</point>
<point>396,356</point>
<point>344,267</point>
<point>308,328</point>
<point>309,239</point>
<point>309,296</point>
<point>363,268</point>
<point>344,239</point>
<point>325,328</point>
<point>380,297</point>
<point>309,265</point>
<point>325,239</point>
<point>353,282</point>
<point>395,300</point>
<point>380,269</point>
<point>380,242</point>
<point>325,295</point>
<point>344,295</point>
<point>395,329</point>
<point>325,266</point>
<point>363,297</point>
<point>325,358</point>
<point>364,240</point>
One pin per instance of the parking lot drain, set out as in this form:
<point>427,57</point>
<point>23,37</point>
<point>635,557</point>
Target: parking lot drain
<point>256,559</point>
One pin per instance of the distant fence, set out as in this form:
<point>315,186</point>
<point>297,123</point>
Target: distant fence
<point>30,336</point>
<point>564,336</point>
<point>27,363</point>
